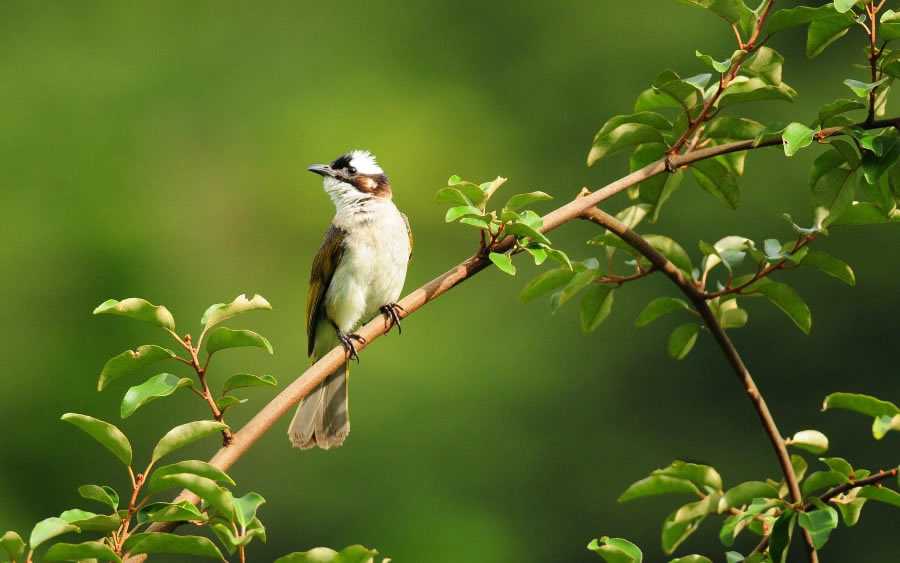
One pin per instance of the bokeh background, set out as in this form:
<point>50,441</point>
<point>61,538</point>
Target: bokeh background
<point>159,150</point>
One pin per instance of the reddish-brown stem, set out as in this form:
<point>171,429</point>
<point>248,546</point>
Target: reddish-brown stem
<point>137,482</point>
<point>761,272</point>
<point>872,12</point>
<point>206,394</point>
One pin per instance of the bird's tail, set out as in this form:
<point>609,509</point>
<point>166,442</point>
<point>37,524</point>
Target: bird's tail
<point>322,418</point>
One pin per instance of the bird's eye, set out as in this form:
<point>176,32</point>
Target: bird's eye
<point>351,170</point>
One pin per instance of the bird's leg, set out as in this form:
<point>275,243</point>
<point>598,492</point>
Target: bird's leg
<point>391,311</point>
<point>347,341</point>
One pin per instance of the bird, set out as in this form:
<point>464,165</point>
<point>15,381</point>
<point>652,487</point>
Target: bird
<point>358,271</point>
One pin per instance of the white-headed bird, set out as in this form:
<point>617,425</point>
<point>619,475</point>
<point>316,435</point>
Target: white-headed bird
<point>358,271</point>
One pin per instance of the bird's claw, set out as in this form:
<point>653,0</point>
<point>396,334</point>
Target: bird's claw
<point>347,341</point>
<point>391,311</point>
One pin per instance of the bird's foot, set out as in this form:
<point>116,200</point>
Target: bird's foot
<point>391,311</point>
<point>347,341</point>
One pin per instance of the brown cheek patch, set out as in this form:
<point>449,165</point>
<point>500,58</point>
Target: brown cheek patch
<point>375,185</point>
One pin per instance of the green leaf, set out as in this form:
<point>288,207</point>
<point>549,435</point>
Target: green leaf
<point>744,493</point>
<point>221,311</point>
<point>832,196</point>
<point>729,10</point>
<point>771,132</point>
<point>732,128</point>
<point>504,262</point>
<point>161,385</point>
<point>766,64</point>
<point>863,404</point>
<point>848,152</point>
<point>207,489</point>
<point>862,89</point>
<point>825,31</point>
<point>657,195</point>
<point>844,5</point>
<point>700,475</point>
<point>881,494</point>
<point>131,360</point>
<point>742,90</point>
<point>659,307</point>
<point>90,522</point>
<point>812,441</point>
<point>453,180</point>
<point>102,494</point>
<point>863,213</point>
<point>672,251</point>
<point>786,299</point>
<point>455,213</point>
<point>674,532</point>
<point>830,265</point>
<point>351,554</point>
<point>559,256</point>
<point>884,424</point>
<point>49,528</point>
<point>576,284</point>
<point>108,435</point>
<point>247,380</point>
<point>796,136</point>
<point>780,538</point>
<point>692,559</point>
<point>625,131</point>
<point>595,306</point>
<point>245,508</point>
<point>12,543</point>
<point>451,195</point>
<point>223,338</point>
<point>545,282</point>
<point>716,179</point>
<point>838,464</point>
<point>819,524</point>
<point>616,550</point>
<point>254,529</point>
<point>682,340</point>
<point>138,309</point>
<point>657,485</point>
<point>521,230</point>
<point>874,166</point>
<point>730,315</point>
<point>720,67</point>
<point>194,467</point>
<point>521,200</point>
<point>169,512</point>
<point>80,551</point>
<point>223,403</point>
<point>184,434</point>
<point>160,542</point>
<point>818,480</point>
<point>794,17</point>
<point>838,107</point>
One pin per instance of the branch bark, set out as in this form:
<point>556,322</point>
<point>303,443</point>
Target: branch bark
<point>307,381</point>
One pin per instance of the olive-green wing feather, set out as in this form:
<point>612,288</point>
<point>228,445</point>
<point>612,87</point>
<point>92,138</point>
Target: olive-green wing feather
<point>323,267</point>
<point>409,232</point>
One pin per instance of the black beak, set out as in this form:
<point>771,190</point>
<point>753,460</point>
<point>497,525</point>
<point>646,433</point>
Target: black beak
<point>322,170</point>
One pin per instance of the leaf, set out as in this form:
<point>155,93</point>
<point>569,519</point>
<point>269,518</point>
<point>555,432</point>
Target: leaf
<point>625,131</point>
<point>131,360</point>
<point>504,262</point>
<point>521,230</point>
<point>12,543</point>
<point>657,485</point>
<point>728,10</point>
<point>80,551</point>
<point>786,299</point>
<point>682,340</point>
<point>595,306</point>
<point>850,509</point>
<point>673,252</point>
<point>874,166</point>
<point>862,89</point>
<point>742,90</point>
<point>183,435</point>
<point>108,435</point>
<point>863,404</point>
<point>819,524</point>
<point>838,107</point>
<point>766,64</point>
<point>780,538</point>
<point>160,542</point>
<point>659,307</point>
<point>169,512</point>
<point>796,136</point>
<point>692,559</point>
<point>844,5</point>
<point>49,528</point>
<point>576,284</point>
<point>90,522</point>
<point>245,508</point>
<point>812,441</point>
<point>194,467</point>
<point>818,480</point>
<point>521,200</point>
<point>731,316</point>
<point>223,338</point>
<point>770,133</point>
<point>847,151</point>
<point>863,213</point>
<point>700,475</point>
<point>616,550</point>
<point>455,213</point>
<point>102,494</point>
<point>825,31</point>
<point>351,554</point>
<point>223,403</point>
<point>657,195</point>
<point>732,128</point>
<point>453,180</point>
<point>830,265</point>
<point>744,493</point>
<point>802,15</point>
<point>884,424</point>
<point>716,179</point>
<point>832,196</point>
<point>247,380</point>
<point>545,282</point>
<point>676,532</point>
<point>158,386</point>
<point>207,489</point>
<point>220,311</point>
<point>451,195</point>
<point>723,66</point>
<point>881,494</point>
<point>138,309</point>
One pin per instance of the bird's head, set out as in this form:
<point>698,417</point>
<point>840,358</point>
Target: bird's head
<point>353,177</point>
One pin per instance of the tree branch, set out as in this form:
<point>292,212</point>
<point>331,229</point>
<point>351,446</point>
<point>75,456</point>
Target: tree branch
<point>308,380</point>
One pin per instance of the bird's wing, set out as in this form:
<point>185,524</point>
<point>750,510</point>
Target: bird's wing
<point>323,267</point>
<point>409,232</point>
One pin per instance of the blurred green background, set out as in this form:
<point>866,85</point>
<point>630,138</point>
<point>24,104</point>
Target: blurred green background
<point>159,150</point>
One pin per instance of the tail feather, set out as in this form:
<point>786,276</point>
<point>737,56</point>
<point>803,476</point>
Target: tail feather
<point>323,418</point>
